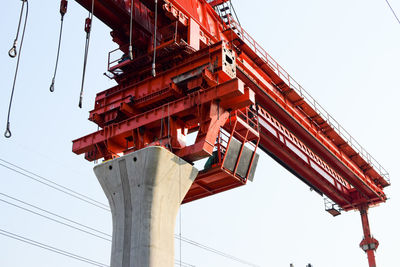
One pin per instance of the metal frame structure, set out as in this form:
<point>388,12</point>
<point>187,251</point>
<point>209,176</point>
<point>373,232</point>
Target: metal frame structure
<point>212,78</point>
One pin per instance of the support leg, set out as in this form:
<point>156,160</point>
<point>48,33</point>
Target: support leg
<point>368,244</point>
<point>145,190</point>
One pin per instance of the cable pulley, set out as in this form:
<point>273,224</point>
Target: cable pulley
<point>63,11</point>
<point>13,51</point>
<point>88,29</point>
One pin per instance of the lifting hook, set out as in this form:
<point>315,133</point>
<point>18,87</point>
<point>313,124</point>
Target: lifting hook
<point>13,51</point>
<point>7,133</point>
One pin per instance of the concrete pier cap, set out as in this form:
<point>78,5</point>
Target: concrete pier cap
<point>145,190</point>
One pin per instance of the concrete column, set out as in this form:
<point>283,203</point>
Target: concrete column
<point>145,190</point>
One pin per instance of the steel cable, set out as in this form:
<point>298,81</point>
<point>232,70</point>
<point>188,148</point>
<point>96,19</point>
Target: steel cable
<point>13,51</point>
<point>63,10</point>
<point>88,29</point>
<point>130,33</point>
<point>7,133</point>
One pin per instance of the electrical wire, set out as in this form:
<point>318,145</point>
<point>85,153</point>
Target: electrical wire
<point>63,10</point>
<point>394,13</point>
<point>54,220</point>
<point>7,133</point>
<point>60,222</point>
<point>88,29</point>
<point>52,214</point>
<point>177,236</point>
<point>184,264</point>
<point>217,252</point>
<point>50,248</point>
<point>63,252</point>
<point>55,186</point>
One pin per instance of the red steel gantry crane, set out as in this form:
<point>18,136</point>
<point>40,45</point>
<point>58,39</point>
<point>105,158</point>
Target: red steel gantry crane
<point>187,66</point>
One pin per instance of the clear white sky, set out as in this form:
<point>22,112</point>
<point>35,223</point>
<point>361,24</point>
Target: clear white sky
<point>345,53</point>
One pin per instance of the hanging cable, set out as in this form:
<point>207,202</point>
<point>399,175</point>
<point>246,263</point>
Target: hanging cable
<point>153,66</point>
<point>7,133</point>
<point>88,29</point>
<point>13,51</point>
<point>130,33</point>
<point>63,10</point>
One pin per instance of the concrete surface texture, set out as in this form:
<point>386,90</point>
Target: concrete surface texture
<point>145,190</point>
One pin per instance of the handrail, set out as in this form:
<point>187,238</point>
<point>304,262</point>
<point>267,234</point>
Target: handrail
<point>293,84</point>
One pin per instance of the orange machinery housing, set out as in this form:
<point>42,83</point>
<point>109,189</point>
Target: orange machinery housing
<point>192,68</point>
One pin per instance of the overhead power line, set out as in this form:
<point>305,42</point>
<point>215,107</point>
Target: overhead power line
<point>394,13</point>
<point>53,185</point>
<point>186,240</point>
<point>53,214</point>
<point>55,220</point>
<point>51,248</point>
<point>66,253</point>
<point>184,264</point>
<point>178,237</point>
<point>220,253</point>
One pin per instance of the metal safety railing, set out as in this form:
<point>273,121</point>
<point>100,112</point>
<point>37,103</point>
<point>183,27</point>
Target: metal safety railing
<point>293,84</point>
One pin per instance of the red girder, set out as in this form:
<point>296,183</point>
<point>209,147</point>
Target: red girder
<point>231,92</point>
<point>208,68</point>
<point>200,25</point>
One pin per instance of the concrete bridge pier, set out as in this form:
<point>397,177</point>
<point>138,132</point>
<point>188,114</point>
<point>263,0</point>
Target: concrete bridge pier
<point>145,190</point>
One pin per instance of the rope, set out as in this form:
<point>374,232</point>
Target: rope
<point>7,133</point>
<point>130,33</point>
<point>153,68</point>
<point>63,10</point>
<point>88,29</point>
<point>13,51</point>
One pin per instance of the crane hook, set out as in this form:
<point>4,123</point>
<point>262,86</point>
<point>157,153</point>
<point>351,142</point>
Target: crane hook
<point>7,133</point>
<point>52,85</point>
<point>13,51</point>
